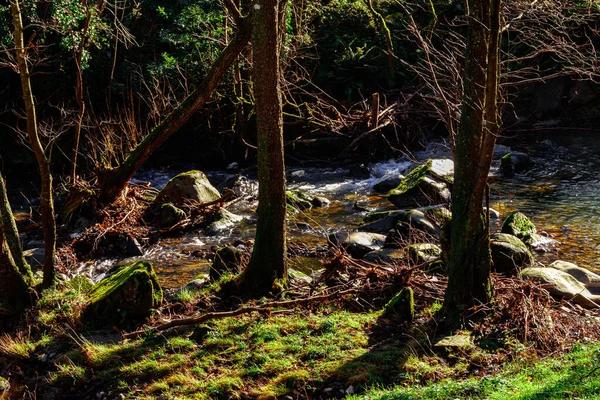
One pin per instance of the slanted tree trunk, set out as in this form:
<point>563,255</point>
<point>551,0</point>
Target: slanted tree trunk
<point>46,200</point>
<point>469,260</point>
<point>268,261</point>
<point>15,291</point>
<point>113,182</point>
<point>11,234</point>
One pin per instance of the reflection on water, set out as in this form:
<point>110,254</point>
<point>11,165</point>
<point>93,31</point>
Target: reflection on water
<point>560,194</point>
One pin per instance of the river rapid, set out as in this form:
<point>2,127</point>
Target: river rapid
<point>559,194</point>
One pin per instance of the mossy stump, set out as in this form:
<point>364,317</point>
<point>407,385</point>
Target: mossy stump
<point>227,259</point>
<point>402,304</point>
<point>124,297</point>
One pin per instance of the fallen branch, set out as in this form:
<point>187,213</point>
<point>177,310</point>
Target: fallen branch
<point>264,308</point>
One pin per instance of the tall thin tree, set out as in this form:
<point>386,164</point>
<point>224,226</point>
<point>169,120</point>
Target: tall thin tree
<point>268,261</point>
<point>470,260</point>
<point>46,200</point>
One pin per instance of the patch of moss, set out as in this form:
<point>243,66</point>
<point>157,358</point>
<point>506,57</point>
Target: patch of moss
<point>412,180</point>
<point>517,224</point>
<point>124,296</point>
<point>402,304</point>
<point>298,199</point>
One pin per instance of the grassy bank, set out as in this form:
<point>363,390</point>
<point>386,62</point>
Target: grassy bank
<point>328,349</point>
<point>574,375</point>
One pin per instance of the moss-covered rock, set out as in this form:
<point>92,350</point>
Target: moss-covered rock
<point>188,186</point>
<point>169,215</point>
<point>517,224</point>
<point>419,189</point>
<point>561,284</point>
<point>126,296</point>
<point>419,253</point>
<point>402,304</point>
<point>227,260</point>
<point>515,163</point>
<point>298,199</point>
<point>509,253</point>
<point>388,184</point>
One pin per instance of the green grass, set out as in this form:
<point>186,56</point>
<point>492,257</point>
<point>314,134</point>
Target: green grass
<point>575,375</point>
<point>272,356</point>
<point>260,357</point>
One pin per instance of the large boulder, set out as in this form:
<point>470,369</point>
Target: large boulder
<point>124,297</point>
<point>561,284</point>
<point>188,186</point>
<point>517,224</point>
<point>509,254</point>
<point>358,244</point>
<point>419,189</point>
<point>514,163</point>
<point>586,277</point>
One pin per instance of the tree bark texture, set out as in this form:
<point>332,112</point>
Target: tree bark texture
<point>11,234</point>
<point>469,260</point>
<point>46,200</point>
<point>268,261</point>
<point>113,182</point>
<point>15,293</point>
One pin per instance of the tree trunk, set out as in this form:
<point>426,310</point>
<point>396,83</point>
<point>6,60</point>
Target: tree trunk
<point>46,200</point>
<point>11,234</point>
<point>268,261</point>
<point>113,182</point>
<point>469,260</point>
<point>15,293</point>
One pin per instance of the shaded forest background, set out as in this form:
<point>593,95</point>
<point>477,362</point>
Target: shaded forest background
<point>141,58</point>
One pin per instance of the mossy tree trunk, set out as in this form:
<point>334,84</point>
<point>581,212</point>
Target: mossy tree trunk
<point>268,261</point>
<point>15,275</point>
<point>15,293</point>
<point>46,200</point>
<point>11,234</point>
<point>113,182</point>
<point>469,260</point>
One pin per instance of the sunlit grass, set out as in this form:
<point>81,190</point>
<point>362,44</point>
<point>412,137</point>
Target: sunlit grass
<point>17,347</point>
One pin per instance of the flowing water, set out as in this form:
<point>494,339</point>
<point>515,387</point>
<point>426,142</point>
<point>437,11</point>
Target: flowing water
<point>559,194</point>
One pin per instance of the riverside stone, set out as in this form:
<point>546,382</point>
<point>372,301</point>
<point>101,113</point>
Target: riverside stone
<point>188,186</point>
<point>358,244</point>
<point>509,253</point>
<point>561,284</point>
<point>124,297</point>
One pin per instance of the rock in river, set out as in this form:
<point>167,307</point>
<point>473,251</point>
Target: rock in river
<point>509,253</point>
<point>188,186</point>
<point>419,189</point>
<point>515,163</point>
<point>561,284</point>
<point>358,244</point>
<point>517,224</point>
